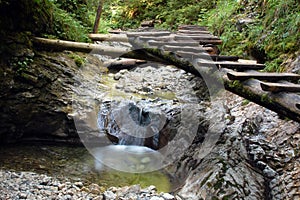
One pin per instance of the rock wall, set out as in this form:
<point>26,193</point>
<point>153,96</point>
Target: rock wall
<point>257,157</point>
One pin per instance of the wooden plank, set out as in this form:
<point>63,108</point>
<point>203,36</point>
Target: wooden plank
<point>173,43</point>
<point>188,49</point>
<point>156,33</point>
<point>192,32</point>
<point>162,38</point>
<point>192,27</point>
<point>283,103</point>
<point>109,37</point>
<point>123,63</point>
<point>234,65</point>
<point>216,42</point>
<point>203,55</point>
<point>196,37</point>
<point>280,87</point>
<point>262,76</point>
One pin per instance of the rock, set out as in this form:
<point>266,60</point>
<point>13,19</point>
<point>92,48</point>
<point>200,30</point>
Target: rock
<point>79,184</point>
<point>109,195</point>
<point>167,196</point>
<point>269,172</point>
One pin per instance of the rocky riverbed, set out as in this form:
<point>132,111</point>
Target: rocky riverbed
<point>29,185</point>
<point>251,154</point>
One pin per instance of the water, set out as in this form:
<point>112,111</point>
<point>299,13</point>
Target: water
<point>75,164</point>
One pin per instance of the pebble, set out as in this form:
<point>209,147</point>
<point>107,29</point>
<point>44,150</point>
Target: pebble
<point>28,185</point>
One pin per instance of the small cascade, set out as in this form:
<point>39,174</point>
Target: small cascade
<point>126,123</point>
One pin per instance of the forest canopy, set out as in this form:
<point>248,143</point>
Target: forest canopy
<point>266,30</point>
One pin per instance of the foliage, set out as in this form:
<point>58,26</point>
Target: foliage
<point>270,37</point>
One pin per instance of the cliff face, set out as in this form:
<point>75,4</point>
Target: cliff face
<point>36,91</point>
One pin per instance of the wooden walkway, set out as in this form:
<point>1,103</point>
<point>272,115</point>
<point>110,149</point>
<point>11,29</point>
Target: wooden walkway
<point>275,91</point>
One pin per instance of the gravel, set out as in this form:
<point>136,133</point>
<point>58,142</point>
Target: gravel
<point>29,185</point>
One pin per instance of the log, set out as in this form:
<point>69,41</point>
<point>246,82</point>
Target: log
<point>123,63</point>
<point>282,103</point>
<point>109,37</point>
<point>60,45</point>
<point>280,87</point>
<point>234,65</point>
<point>262,76</point>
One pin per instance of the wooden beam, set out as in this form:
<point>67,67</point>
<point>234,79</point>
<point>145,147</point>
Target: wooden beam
<point>233,65</point>
<point>280,87</point>
<point>60,45</point>
<point>123,63</point>
<point>216,42</point>
<point>109,37</point>
<point>188,49</point>
<point>284,104</point>
<point>192,27</point>
<point>203,55</point>
<point>262,76</point>
<point>156,33</point>
<point>163,38</point>
<point>173,43</point>
<point>196,37</point>
<point>192,32</point>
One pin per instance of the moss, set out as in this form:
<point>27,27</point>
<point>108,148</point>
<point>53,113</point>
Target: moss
<point>265,98</point>
<point>79,60</point>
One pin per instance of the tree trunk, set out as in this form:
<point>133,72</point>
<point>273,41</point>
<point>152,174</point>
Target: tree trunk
<point>98,16</point>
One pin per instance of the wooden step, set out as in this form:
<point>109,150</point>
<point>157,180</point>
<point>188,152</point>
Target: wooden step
<point>192,32</point>
<point>263,76</point>
<point>280,87</point>
<point>162,38</point>
<point>234,65</point>
<point>216,42</point>
<point>192,27</point>
<point>188,49</point>
<point>173,43</point>
<point>109,37</point>
<point>206,56</point>
<point>196,37</point>
<point>157,34</point>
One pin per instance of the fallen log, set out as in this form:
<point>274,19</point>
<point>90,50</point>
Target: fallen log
<point>60,45</point>
<point>109,37</point>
